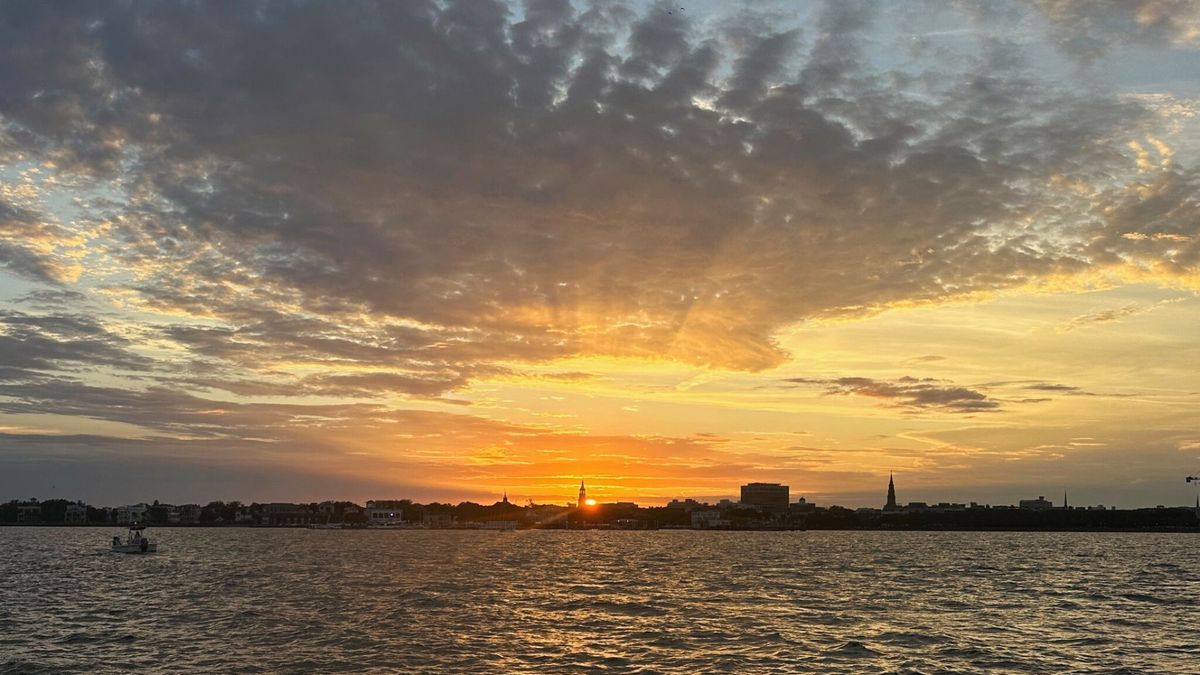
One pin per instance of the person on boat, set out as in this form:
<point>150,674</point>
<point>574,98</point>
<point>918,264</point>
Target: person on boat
<point>116,541</point>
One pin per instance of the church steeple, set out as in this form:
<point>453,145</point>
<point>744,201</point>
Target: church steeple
<point>891,498</point>
<point>582,494</point>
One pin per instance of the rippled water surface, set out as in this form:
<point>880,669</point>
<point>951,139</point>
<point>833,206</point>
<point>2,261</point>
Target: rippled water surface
<point>242,600</point>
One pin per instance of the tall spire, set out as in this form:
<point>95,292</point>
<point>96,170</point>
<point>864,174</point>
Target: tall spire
<point>891,498</point>
<point>582,494</point>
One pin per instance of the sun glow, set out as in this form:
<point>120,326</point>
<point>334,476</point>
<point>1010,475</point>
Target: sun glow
<point>589,502</point>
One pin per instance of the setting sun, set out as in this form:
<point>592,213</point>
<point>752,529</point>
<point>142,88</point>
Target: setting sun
<point>589,502</point>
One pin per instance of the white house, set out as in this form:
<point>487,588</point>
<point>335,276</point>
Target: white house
<point>135,513</point>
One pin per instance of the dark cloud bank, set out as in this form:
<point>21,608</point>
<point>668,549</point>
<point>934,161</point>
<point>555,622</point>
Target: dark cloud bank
<point>560,182</point>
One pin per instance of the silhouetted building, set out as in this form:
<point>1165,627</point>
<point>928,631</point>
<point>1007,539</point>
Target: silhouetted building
<point>1039,504</point>
<point>768,496</point>
<point>703,519</point>
<point>891,504</point>
<point>582,495</point>
<point>546,515</point>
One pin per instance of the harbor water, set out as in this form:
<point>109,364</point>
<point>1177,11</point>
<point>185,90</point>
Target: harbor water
<point>271,600</point>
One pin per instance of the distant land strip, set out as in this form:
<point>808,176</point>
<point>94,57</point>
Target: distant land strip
<point>503,515</point>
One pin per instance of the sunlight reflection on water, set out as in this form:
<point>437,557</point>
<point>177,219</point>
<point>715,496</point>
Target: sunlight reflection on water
<point>220,600</point>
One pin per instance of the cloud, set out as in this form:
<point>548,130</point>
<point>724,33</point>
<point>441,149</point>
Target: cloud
<point>1154,224</point>
<point>1088,29</point>
<point>1050,386</point>
<point>57,298</point>
<point>26,245</point>
<point>1103,316</point>
<point>1047,387</point>
<point>918,394</point>
<point>31,345</point>
<point>571,183</point>
<point>1112,315</point>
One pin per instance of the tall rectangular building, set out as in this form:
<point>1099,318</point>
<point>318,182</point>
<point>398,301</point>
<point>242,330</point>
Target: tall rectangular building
<point>768,496</point>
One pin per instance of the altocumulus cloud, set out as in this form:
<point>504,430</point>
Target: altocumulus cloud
<point>427,193</point>
<point>586,177</point>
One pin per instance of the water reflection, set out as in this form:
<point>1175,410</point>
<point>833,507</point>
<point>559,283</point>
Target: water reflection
<point>555,601</point>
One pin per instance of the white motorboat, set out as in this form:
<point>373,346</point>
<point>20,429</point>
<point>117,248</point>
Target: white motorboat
<point>136,542</point>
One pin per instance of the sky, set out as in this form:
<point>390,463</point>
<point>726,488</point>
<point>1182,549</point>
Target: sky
<point>293,251</point>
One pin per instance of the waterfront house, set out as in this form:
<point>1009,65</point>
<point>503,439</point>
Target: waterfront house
<point>439,521</point>
<point>385,516</point>
<point>29,513</point>
<point>285,514</point>
<point>189,514</point>
<point>75,514</point>
<point>133,513</point>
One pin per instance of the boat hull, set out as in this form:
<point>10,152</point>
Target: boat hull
<point>135,548</point>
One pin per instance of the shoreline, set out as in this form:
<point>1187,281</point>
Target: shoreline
<point>172,526</point>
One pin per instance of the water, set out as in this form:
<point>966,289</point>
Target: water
<point>242,600</point>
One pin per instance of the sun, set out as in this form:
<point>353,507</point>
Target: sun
<point>589,502</point>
